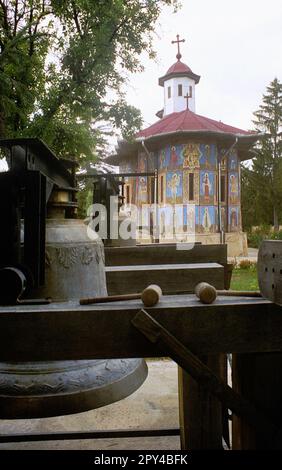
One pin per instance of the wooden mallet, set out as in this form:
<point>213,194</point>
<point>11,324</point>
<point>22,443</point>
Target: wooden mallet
<point>208,293</point>
<point>149,296</point>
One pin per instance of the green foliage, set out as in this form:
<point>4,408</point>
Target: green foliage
<point>262,182</point>
<point>63,66</point>
<point>264,232</point>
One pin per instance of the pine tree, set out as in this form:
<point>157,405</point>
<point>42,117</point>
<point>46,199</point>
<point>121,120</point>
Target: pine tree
<point>262,182</point>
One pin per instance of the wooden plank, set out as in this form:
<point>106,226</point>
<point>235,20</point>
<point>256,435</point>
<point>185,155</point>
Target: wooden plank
<point>165,253</point>
<point>69,331</point>
<point>171,278</point>
<point>160,336</point>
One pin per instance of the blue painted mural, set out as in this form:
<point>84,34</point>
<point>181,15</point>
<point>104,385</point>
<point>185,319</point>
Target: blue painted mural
<point>208,156</point>
<point>207,220</point>
<point>233,161</point>
<point>233,188</point>
<point>207,187</point>
<point>174,187</point>
<point>234,221</point>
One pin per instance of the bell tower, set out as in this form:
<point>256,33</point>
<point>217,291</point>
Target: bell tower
<point>179,85</point>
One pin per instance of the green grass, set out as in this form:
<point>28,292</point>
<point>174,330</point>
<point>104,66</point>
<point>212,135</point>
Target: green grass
<point>244,279</point>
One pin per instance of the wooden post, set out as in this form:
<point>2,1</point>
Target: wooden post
<point>258,378</point>
<point>200,412</point>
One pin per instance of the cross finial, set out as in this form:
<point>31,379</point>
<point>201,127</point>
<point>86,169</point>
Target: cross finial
<point>178,41</point>
<point>187,96</point>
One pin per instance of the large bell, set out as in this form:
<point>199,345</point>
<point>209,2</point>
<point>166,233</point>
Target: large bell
<point>74,269</point>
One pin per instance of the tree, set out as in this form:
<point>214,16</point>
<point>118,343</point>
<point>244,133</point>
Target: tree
<point>262,182</point>
<point>63,66</point>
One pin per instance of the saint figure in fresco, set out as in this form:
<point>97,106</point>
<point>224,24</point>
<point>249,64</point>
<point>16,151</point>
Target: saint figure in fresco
<point>173,184</point>
<point>206,221</point>
<point>162,159</point>
<point>143,185</point>
<point>173,158</point>
<point>233,188</point>
<point>207,156</point>
<point>206,187</point>
<point>234,219</point>
<point>191,219</point>
<point>223,223</point>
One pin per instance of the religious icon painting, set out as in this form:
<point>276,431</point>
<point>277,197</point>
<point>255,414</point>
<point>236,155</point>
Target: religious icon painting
<point>207,219</point>
<point>208,156</point>
<point>189,218</point>
<point>234,218</point>
<point>164,158</point>
<point>223,218</point>
<point>142,163</point>
<point>142,189</point>
<point>207,188</point>
<point>175,157</point>
<point>174,187</point>
<point>165,221</point>
<point>178,217</point>
<point>233,161</point>
<point>190,156</point>
<point>233,188</point>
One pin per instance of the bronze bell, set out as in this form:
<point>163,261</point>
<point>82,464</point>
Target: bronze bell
<point>74,268</point>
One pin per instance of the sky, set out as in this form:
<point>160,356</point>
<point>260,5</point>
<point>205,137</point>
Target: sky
<point>236,47</point>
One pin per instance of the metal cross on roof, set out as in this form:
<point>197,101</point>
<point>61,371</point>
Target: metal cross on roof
<point>178,41</point>
<point>187,98</point>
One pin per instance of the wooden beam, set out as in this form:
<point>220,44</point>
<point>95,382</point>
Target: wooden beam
<point>172,278</point>
<point>66,330</point>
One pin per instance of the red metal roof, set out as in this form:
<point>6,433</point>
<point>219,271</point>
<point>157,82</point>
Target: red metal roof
<point>178,67</point>
<point>188,121</point>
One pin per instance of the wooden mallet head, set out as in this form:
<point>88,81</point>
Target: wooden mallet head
<point>205,292</point>
<point>151,295</point>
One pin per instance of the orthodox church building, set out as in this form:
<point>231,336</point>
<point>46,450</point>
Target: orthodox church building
<point>190,166</point>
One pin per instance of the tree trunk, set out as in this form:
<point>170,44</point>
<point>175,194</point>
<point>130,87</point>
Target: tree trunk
<point>275,220</point>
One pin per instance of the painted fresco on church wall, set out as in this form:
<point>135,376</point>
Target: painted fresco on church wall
<point>190,217</point>
<point>189,192</point>
<point>142,163</point>
<point>207,220</point>
<point>164,158</point>
<point>233,188</point>
<point>223,159</point>
<point>165,220</point>
<point>233,161</point>
<point>234,218</point>
<point>223,218</point>
<point>207,187</point>
<point>190,156</point>
<point>141,181</point>
<point>174,187</point>
<point>175,157</point>
<point>178,217</point>
<point>208,156</point>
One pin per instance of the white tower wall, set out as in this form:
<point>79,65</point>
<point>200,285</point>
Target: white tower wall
<point>176,103</point>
